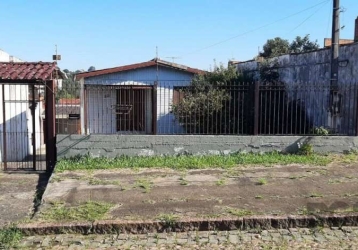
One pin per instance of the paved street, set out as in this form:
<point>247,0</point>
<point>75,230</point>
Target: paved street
<point>303,238</point>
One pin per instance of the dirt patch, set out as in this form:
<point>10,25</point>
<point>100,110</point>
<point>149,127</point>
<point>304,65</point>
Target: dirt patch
<point>211,193</point>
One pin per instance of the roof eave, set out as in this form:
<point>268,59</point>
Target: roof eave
<point>151,63</point>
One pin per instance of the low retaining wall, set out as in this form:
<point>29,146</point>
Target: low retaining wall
<point>146,145</point>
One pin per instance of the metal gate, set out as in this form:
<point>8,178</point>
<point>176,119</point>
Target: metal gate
<point>22,137</point>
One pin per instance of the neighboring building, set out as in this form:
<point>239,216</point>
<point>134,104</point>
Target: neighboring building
<point>21,122</point>
<point>328,42</point>
<point>135,98</point>
<point>68,116</point>
<point>5,57</point>
<point>18,118</point>
<point>313,68</point>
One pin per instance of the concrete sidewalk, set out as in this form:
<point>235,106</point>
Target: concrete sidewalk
<point>150,194</point>
<point>18,190</point>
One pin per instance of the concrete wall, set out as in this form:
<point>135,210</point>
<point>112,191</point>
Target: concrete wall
<point>116,145</point>
<point>167,79</point>
<point>313,69</point>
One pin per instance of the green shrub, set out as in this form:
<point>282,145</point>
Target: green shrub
<point>320,131</point>
<point>305,149</point>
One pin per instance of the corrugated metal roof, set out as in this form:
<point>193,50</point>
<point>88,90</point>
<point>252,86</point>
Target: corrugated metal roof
<point>26,70</point>
<point>150,63</point>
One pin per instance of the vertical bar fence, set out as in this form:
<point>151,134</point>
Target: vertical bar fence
<point>182,108</point>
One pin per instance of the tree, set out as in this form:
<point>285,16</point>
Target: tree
<point>275,47</point>
<point>223,101</point>
<point>92,68</point>
<point>278,46</point>
<point>304,44</point>
<point>207,106</point>
<point>70,88</point>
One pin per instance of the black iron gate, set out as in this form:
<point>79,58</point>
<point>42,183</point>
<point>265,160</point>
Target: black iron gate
<point>22,137</point>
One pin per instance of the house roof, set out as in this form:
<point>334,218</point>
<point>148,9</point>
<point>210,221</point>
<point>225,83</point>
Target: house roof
<point>67,109</point>
<point>69,101</point>
<point>153,62</point>
<point>26,71</point>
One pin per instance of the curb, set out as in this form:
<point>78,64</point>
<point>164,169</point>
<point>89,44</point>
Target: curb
<point>222,224</point>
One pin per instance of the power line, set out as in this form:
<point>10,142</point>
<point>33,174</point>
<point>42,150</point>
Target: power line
<point>329,20</point>
<point>309,17</point>
<point>258,28</point>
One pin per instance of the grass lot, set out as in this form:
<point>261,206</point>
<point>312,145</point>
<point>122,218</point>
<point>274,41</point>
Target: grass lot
<point>88,211</point>
<point>197,162</point>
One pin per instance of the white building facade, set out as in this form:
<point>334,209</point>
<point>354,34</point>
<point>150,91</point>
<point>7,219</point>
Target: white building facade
<point>132,99</point>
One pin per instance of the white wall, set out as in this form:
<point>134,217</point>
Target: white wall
<point>167,79</point>
<point>101,118</point>
<point>166,122</point>
<point>5,57</point>
<point>17,119</point>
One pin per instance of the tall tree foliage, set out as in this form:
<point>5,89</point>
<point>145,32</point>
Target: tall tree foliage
<point>278,46</point>
<point>92,68</point>
<point>303,44</point>
<point>70,88</point>
<point>275,47</point>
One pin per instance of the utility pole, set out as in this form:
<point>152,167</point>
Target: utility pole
<point>335,43</point>
<point>56,58</point>
<point>334,96</point>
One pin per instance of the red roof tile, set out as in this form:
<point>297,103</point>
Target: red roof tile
<point>68,101</point>
<point>150,63</point>
<point>26,70</point>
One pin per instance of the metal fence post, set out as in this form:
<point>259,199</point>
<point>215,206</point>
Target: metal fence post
<point>4,152</point>
<point>256,108</point>
<point>33,134</point>
<point>50,115</point>
<point>154,108</point>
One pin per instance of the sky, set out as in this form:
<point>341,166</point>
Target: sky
<point>200,33</point>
